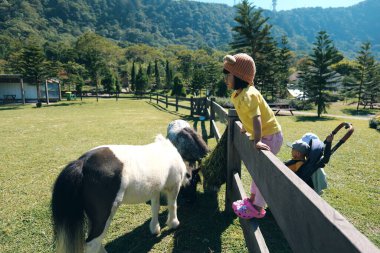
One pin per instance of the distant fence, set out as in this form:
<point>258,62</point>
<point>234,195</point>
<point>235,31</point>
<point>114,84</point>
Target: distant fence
<point>308,223</point>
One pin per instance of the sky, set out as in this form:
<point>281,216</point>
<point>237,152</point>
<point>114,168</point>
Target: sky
<point>291,4</point>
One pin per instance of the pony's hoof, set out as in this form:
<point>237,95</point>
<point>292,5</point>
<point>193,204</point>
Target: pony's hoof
<point>155,229</point>
<point>173,224</point>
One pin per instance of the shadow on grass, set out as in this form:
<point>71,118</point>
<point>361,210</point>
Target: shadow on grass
<point>204,133</point>
<point>202,225</point>
<point>360,112</point>
<point>274,238</point>
<point>10,107</point>
<point>66,104</point>
<point>138,240</point>
<point>161,108</point>
<point>313,118</point>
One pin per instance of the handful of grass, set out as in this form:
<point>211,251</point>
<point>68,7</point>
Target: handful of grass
<point>214,166</point>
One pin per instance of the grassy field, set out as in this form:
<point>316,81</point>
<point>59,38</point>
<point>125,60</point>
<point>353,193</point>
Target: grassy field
<point>37,143</point>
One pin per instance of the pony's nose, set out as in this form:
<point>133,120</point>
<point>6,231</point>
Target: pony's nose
<point>188,175</point>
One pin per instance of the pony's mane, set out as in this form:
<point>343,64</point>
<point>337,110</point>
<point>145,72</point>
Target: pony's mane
<point>159,138</point>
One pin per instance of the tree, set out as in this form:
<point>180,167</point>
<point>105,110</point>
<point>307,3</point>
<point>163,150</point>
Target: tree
<point>212,76</point>
<point>109,80</point>
<point>323,77</point>
<point>168,75</point>
<point>199,79</point>
<point>252,35</point>
<point>30,63</point>
<point>133,76</point>
<point>141,80</point>
<point>97,54</point>
<point>283,63</point>
<point>157,74</point>
<point>178,89</point>
<point>365,85</point>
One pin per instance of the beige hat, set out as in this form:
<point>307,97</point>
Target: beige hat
<point>240,65</point>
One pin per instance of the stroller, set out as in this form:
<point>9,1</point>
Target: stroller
<point>319,155</point>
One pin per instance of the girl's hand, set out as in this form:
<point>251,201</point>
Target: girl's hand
<point>261,146</point>
<point>242,130</point>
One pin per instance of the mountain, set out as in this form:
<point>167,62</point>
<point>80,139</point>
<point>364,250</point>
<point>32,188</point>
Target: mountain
<point>348,27</point>
<point>195,24</point>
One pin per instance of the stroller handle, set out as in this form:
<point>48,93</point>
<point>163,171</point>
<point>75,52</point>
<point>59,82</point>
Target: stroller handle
<point>350,131</point>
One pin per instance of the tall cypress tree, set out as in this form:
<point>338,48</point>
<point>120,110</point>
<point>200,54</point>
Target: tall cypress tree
<point>157,74</point>
<point>323,77</point>
<point>168,76</point>
<point>133,76</point>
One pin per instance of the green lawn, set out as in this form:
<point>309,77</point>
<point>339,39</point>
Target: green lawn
<point>348,109</point>
<point>37,143</point>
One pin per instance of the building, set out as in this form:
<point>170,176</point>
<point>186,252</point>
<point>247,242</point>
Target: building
<point>14,89</point>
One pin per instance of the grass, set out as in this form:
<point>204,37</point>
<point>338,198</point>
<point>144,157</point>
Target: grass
<point>37,143</point>
<point>348,109</point>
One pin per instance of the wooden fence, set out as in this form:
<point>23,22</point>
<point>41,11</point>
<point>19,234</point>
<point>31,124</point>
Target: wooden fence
<point>308,223</point>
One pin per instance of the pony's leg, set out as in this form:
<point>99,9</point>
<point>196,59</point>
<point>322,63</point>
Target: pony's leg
<point>98,228</point>
<point>154,226</point>
<point>172,220</point>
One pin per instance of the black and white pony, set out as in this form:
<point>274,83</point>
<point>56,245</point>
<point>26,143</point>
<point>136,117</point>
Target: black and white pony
<point>102,179</point>
<point>105,177</point>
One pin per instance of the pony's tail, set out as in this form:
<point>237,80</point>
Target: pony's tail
<point>67,209</point>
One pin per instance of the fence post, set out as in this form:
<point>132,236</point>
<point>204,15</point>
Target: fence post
<point>192,106</point>
<point>176,103</point>
<point>233,159</point>
<point>212,116</point>
<point>150,96</point>
<point>166,98</point>
<point>156,98</point>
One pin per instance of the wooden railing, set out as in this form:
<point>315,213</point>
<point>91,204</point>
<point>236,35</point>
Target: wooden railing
<point>308,223</point>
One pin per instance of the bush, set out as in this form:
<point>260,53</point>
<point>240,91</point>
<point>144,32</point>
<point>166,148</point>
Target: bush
<point>224,102</point>
<point>375,122</point>
<point>301,105</point>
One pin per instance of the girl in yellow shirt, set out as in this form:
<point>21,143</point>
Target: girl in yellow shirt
<point>257,118</point>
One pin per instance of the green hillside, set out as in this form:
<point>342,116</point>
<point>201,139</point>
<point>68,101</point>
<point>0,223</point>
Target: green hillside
<point>191,23</point>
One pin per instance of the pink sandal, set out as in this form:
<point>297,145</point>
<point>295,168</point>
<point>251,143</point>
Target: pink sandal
<point>245,210</point>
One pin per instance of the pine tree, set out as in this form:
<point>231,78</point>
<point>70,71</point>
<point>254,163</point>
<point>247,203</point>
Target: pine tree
<point>252,36</point>
<point>141,80</point>
<point>366,86</point>
<point>157,74</point>
<point>283,63</point>
<point>323,77</point>
<point>133,76</point>
<point>168,76</point>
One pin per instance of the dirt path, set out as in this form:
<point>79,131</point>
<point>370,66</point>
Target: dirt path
<point>331,115</point>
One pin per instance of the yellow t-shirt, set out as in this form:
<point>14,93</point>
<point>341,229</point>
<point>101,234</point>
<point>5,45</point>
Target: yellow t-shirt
<point>250,103</point>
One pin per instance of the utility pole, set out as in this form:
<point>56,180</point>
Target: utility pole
<point>274,3</point>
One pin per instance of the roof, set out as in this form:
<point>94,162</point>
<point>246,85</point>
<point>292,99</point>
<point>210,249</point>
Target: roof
<point>10,78</point>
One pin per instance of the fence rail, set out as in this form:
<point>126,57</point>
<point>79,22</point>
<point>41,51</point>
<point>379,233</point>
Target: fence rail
<point>308,223</point>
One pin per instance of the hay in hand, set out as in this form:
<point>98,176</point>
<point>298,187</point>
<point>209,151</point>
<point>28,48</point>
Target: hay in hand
<point>214,166</point>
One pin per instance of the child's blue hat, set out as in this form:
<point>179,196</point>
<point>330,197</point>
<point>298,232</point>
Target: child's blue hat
<point>308,137</point>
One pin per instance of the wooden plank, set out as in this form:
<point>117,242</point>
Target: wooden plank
<point>215,130</point>
<point>253,237</point>
<point>220,112</point>
<point>307,221</point>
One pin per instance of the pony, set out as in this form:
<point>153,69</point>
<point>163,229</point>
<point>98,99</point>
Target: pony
<point>102,179</point>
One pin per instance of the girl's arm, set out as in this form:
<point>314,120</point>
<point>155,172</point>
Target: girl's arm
<point>257,134</point>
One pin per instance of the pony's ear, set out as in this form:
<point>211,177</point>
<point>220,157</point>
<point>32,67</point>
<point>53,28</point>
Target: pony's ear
<point>190,145</point>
